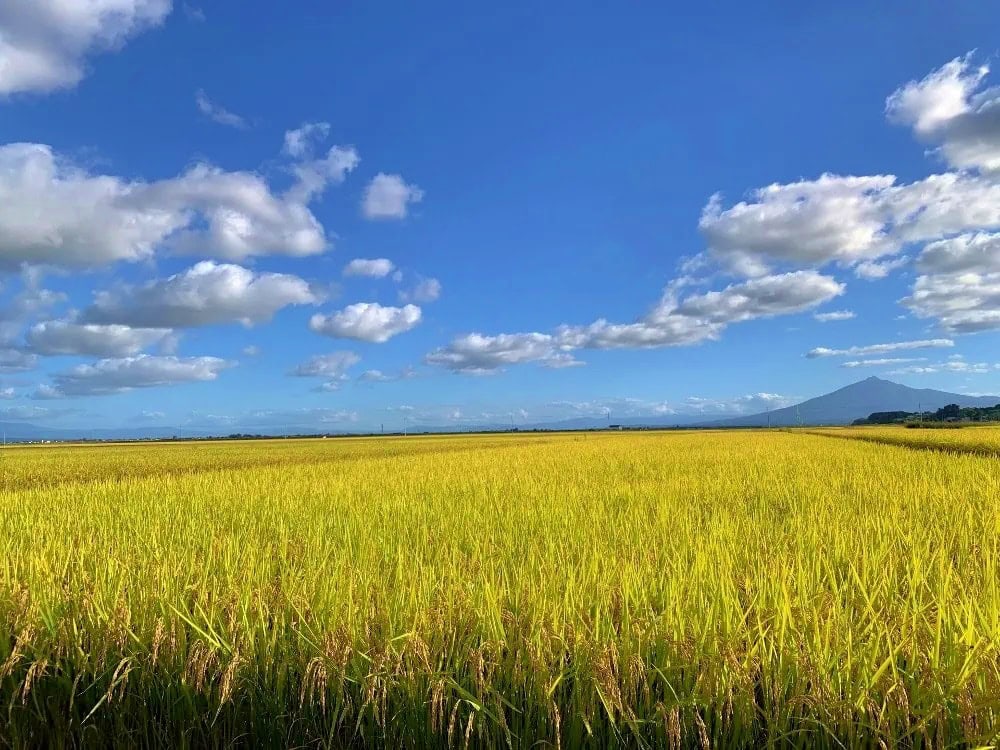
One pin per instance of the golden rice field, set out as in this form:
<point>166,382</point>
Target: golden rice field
<point>969,439</point>
<point>695,589</point>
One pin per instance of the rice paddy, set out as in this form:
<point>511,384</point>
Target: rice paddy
<point>689,589</point>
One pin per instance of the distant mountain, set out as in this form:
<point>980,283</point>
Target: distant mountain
<point>840,407</point>
<point>855,401</point>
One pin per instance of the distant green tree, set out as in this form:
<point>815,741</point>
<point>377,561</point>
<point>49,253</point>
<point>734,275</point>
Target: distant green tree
<point>951,411</point>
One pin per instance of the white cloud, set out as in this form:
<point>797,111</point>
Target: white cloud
<point>300,142</point>
<point>52,212</point>
<point>477,354</point>
<point>25,305</point>
<point>218,113</point>
<point>675,322</point>
<point>389,197</point>
<point>367,321</point>
<point>852,221</point>
<point>46,392</point>
<point>252,350</point>
<point>835,315</point>
<point>426,290</point>
<point>313,176</point>
<point>959,283</point>
<point>7,394</point>
<point>896,346</point>
<point>872,270</point>
<point>205,294</point>
<point>751,403</point>
<point>883,362</point>
<point>69,337</point>
<point>968,252</point>
<point>954,365</point>
<point>17,360</point>
<point>375,376</point>
<point>375,268</point>
<point>44,44</point>
<point>110,376</point>
<point>962,303</point>
<point>813,222</point>
<point>333,366</point>
<point>949,107</point>
<point>672,322</point>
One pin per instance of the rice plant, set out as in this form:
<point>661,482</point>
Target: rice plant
<point>727,589</point>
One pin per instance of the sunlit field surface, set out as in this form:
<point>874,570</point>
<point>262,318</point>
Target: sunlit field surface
<point>969,439</point>
<point>723,589</point>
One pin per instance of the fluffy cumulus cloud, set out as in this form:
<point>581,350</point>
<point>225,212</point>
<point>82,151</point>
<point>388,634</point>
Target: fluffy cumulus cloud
<point>834,316</point>
<point>53,212</point>
<point>477,354</point>
<point>205,294</point>
<point>874,349</point>
<point>313,173</point>
<point>374,268</point>
<point>852,221</point>
<point>674,321</point>
<point>44,44</point>
<point>118,375</point>
<point>959,283</point>
<point>367,321</point>
<point>872,270</point>
<point>865,222</point>
<point>811,222</point>
<point>389,197</point>
<point>69,337</point>
<point>950,107</point>
<point>217,113</point>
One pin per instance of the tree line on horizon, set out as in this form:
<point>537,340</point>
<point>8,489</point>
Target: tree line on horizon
<point>952,413</point>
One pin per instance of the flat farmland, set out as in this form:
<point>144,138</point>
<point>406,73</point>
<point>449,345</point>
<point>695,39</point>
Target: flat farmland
<point>678,589</point>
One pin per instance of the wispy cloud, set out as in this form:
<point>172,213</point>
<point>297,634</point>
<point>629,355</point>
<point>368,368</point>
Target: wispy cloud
<point>218,113</point>
<point>864,351</point>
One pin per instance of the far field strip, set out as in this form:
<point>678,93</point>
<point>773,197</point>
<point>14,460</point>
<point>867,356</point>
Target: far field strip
<point>967,441</point>
<point>24,468</point>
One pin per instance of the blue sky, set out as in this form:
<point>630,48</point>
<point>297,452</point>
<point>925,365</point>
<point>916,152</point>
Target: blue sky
<point>554,209</point>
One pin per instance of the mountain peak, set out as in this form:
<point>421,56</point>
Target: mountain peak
<point>857,400</point>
